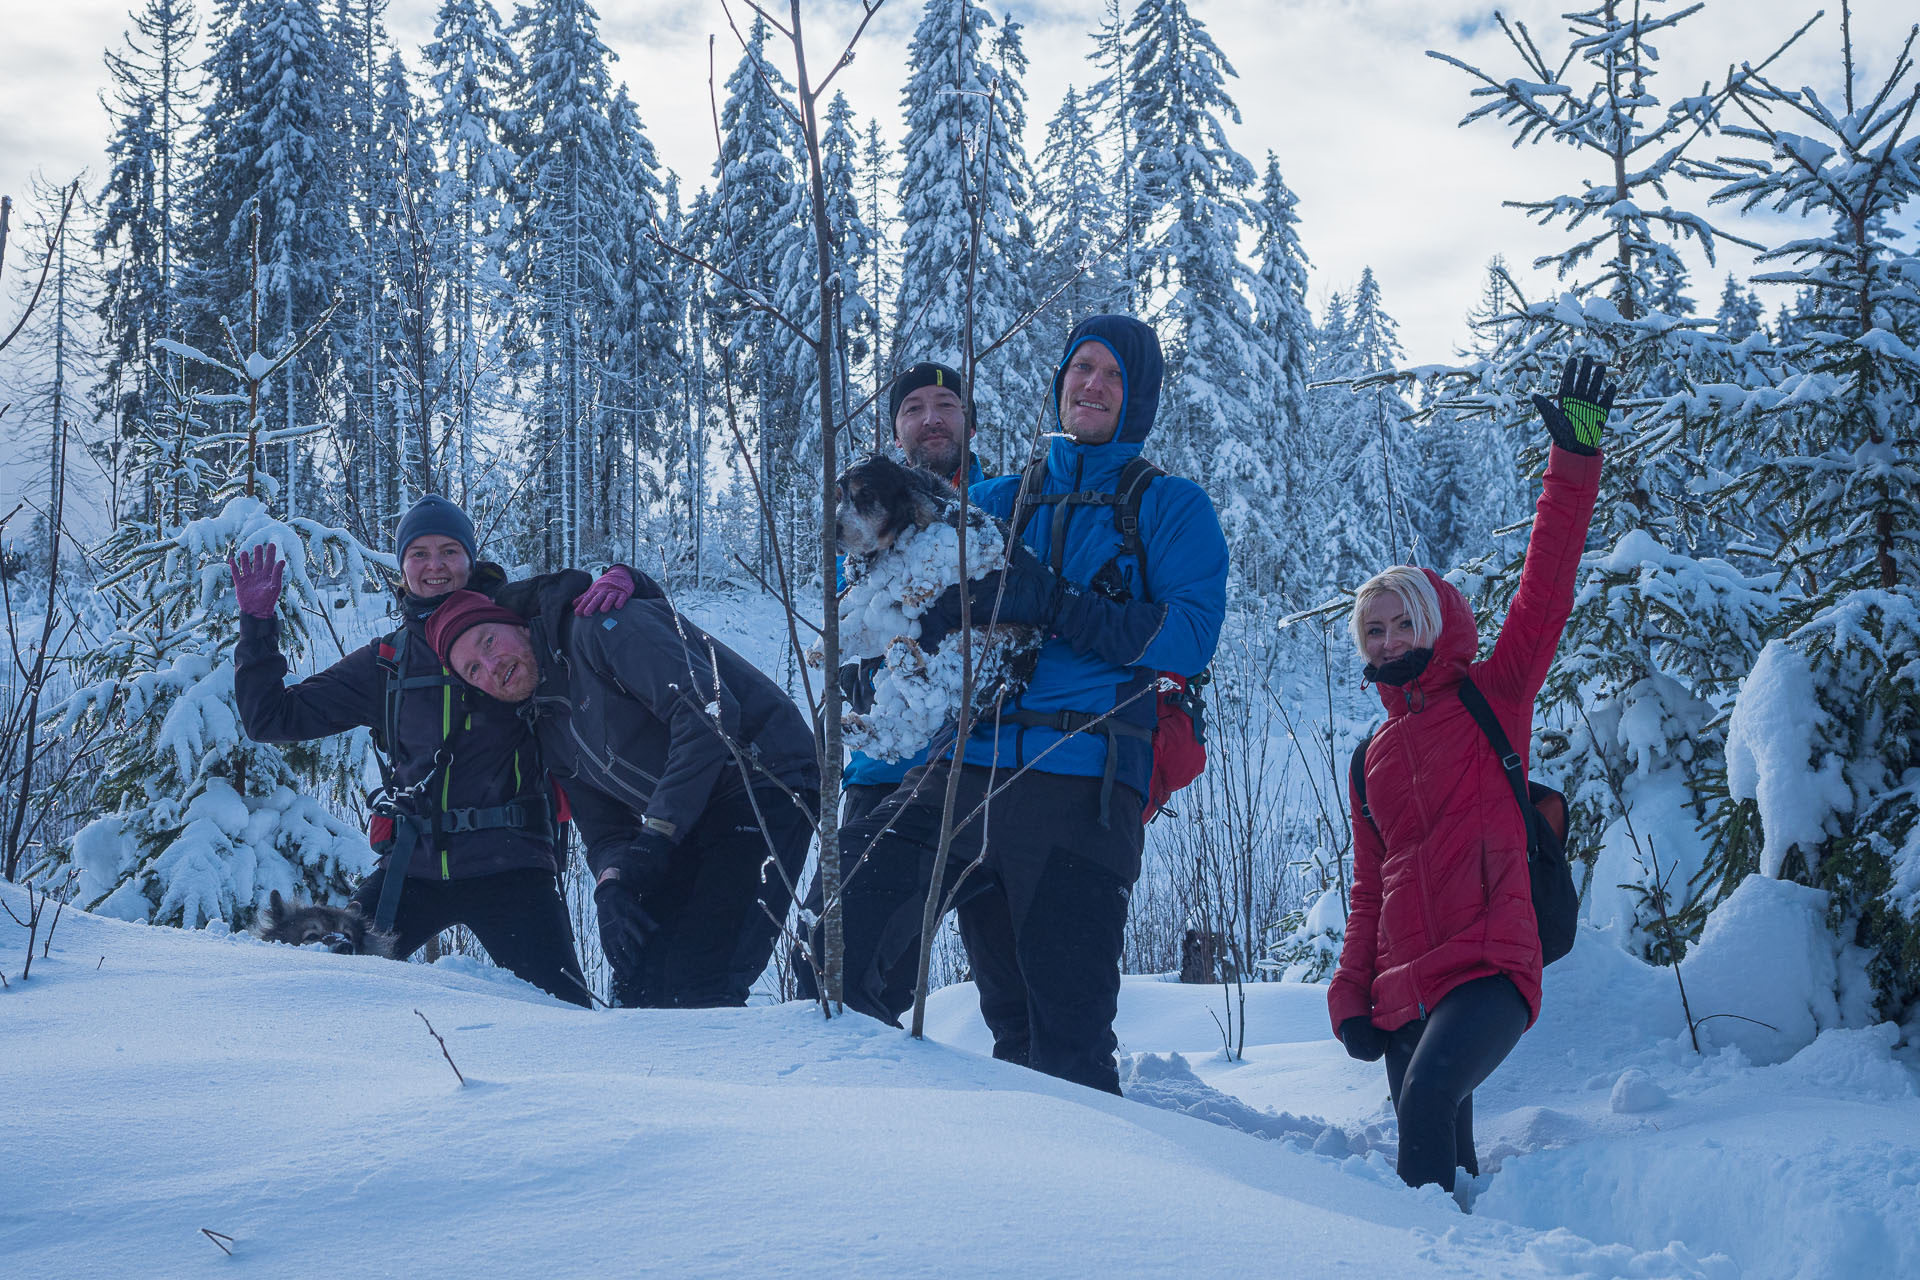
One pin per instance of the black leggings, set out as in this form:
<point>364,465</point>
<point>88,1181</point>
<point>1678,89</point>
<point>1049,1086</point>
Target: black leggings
<point>1435,1064</point>
<point>518,916</point>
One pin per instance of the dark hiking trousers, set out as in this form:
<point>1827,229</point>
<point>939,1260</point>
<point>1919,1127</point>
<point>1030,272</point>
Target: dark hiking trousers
<point>1435,1064</point>
<point>518,916</point>
<point>719,912</point>
<point>1051,976</point>
<point>986,931</point>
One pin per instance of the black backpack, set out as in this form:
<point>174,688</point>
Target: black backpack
<point>1556,903</point>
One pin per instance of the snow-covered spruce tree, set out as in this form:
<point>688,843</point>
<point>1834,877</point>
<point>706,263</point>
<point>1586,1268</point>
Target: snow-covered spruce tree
<point>799,297</point>
<point>1633,734</point>
<point>403,371</point>
<point>1108,101</point>
<point>565,192</point>
<point>636,343</point>
<point>876,181</point>
<point>470,67</point>
<point>1285,567</point>
<point>963,158</point>
<point>1079,218</point>
<point>266,142</point>
<point>195,822</point>
<point>753,222</point>
<point>1190,204</point>
<point>1823,750</point>
<point>1740,314</point>
<point>369,437</point>
<point>152,97</point>
<point>1468,471</point>
<point>1360,477</point>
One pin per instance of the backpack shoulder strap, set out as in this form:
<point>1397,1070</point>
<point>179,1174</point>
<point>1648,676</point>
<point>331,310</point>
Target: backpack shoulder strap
<point>1482,712</point>
<point>1357,775</point>
<point>1032,477</point>
<point>1134,479</point>
<point>390,656</point>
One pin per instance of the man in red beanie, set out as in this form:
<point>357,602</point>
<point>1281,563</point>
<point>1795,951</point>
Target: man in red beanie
<point>684,766</point>
<point>470,837</point>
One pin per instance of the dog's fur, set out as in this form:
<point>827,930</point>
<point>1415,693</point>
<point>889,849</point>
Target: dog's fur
<point>880,500</point>
<point>342,930</point>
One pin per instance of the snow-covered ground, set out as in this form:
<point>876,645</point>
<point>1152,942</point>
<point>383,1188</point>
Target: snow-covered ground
<point>158,1082</point>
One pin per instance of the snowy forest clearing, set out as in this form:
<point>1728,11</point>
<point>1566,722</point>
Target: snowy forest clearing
<point>162,1082</point>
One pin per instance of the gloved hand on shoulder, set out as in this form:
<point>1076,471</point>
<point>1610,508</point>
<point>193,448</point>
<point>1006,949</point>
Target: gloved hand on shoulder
<point>609,591</point>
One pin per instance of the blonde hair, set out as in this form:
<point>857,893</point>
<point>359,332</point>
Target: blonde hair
<point>1416,595</point>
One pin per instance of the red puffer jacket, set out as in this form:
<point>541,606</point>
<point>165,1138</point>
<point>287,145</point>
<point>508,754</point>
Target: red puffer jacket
<point>1446,899</point>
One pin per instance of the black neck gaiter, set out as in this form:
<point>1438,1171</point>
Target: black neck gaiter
<point>1402,669</point>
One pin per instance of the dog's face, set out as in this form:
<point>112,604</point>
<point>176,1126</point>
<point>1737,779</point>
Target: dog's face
<point>880,500</point>
<point>341,930</point>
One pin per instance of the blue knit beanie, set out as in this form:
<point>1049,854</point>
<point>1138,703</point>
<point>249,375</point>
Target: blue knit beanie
<point>434,515</point>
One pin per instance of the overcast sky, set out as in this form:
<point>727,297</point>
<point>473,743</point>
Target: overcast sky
<point>1363,122</point>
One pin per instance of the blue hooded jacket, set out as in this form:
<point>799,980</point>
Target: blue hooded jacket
<point>1186,567</point>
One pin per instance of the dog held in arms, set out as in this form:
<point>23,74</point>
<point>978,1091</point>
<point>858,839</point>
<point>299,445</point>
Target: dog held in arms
<point>898,529</point>
<point>342,930</point>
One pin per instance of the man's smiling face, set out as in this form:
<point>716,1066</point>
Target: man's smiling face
<point>1090,394</point>
<point>932,429</point>
<point>497,659</point>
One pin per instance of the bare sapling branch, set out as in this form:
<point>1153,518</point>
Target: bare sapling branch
<point>443,1048</point>
<point>221,1240</point>
<point>70,193</point>
<point>934,907</point>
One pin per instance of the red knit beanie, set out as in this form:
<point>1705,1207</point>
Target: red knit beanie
<point>459,613</point>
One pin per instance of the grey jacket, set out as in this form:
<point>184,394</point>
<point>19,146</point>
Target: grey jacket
<point>631,710</point>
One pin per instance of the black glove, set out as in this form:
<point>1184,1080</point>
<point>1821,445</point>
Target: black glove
<point>1577,417</point>
<point>1364,1041</point>
<point>856,683</point>
<point>1031,596</point>
<point>626,877</point>
<point>625,925</point>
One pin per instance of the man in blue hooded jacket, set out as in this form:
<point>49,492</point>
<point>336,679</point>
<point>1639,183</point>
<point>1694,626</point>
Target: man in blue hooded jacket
<point>1053,787</point>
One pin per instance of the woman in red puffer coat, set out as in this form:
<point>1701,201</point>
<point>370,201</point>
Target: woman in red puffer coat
<point>1440,973</point>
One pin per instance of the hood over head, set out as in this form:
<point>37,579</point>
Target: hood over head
<point>1454,650</point>
<point>1136,347</point>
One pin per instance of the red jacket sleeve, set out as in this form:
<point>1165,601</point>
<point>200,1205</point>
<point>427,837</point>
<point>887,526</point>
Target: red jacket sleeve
<point>1351,993</point>
<point>1523,654</point>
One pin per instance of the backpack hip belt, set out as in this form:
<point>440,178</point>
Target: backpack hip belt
<point>1109,725</point>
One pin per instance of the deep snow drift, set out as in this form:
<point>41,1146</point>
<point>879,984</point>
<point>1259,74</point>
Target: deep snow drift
<point>160,1082</point>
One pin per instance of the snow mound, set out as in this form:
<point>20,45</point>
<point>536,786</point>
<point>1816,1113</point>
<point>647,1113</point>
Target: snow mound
<point>1767,957</point>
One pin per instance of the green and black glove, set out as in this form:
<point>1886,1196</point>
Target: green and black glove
<point>1577,417</point>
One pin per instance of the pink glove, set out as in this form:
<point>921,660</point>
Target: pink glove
<point>256,580</point>
<point>609,591</point>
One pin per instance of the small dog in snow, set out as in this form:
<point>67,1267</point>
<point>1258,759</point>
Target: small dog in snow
<point>342,930</point>
<point>898,528</point>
